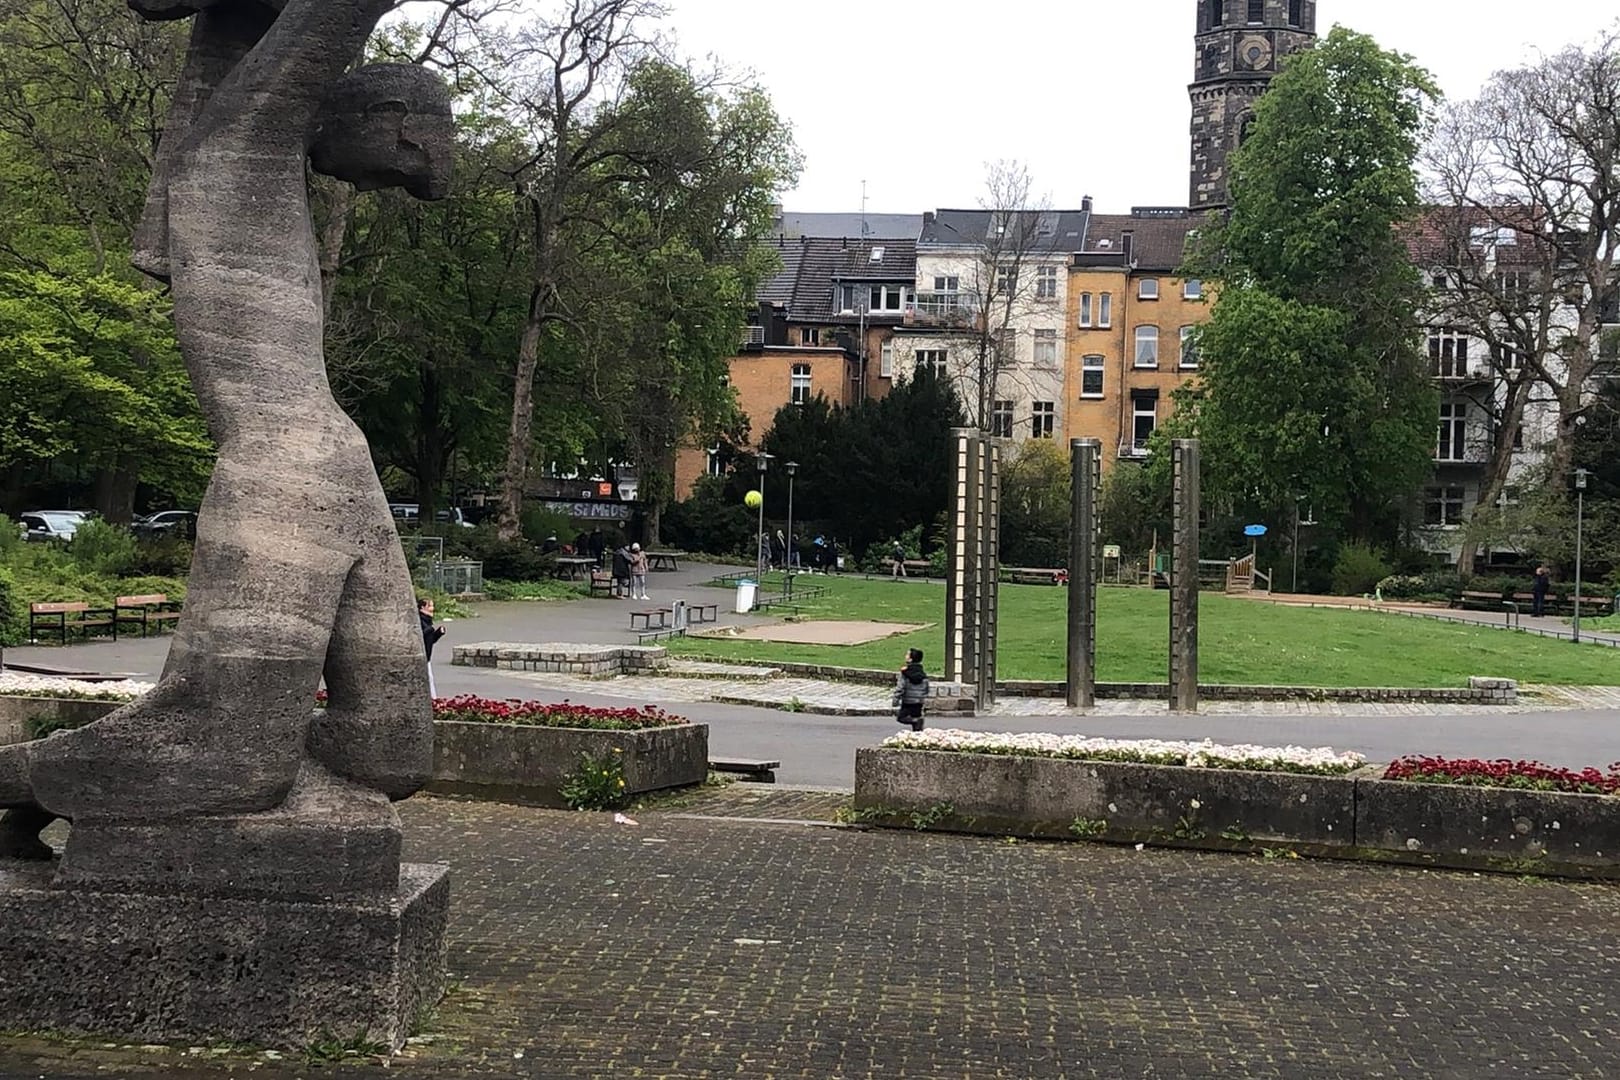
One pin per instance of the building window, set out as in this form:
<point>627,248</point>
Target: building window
<point>714,466</point>
<point>1189,346</point>
<point>1007,346</point>
<point>932,361</point>
<point>1147,289</point>
<point>1443,506</point>
<point>947,284</point>
<point>1147,346</point>
<point>1217,14</point>
<point>1192,289</point>
<point>1105,310</point>
<point>799,388</point>
<point>1046,283</point>
<point>1518,436</point>
<point>1085,309</point>
<point>1257,11</point>
<point>1296,12</point>
<point>1144,418</point>
<point>1509,359</point>
<point>1448,353</point>
<point>886,359</point>
<point>887,298</point>
<point>1046,348</point>
<point>1001,420</point>
<point>1042,420</point>
<point>1091,376</point>
<point>809,335</point>
<point>1453,431</point>
<point>1006,280</point>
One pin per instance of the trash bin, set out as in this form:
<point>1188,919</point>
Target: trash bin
<point>745,596</point>
<point>679,614</point>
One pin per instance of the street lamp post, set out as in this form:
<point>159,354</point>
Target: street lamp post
<point>1580,512</point>
<point>792,467</point>
<point>762,461</point>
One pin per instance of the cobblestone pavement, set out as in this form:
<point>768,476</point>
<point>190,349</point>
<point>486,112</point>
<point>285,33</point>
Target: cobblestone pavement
<point>687,948</point>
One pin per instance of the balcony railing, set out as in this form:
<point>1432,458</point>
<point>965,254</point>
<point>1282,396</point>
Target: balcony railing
<point>946,305</point>
<point>1459,371</point>
<point>1134,448</point>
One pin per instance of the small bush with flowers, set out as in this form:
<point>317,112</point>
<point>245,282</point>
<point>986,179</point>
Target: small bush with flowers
<point>598,783</point>
<point>1321,761</point>
<point>1502,773</point>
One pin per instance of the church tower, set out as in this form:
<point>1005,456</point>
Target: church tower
<point>1240,43</point>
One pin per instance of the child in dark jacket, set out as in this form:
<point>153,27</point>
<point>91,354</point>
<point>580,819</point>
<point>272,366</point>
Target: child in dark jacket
<point>911,690</point>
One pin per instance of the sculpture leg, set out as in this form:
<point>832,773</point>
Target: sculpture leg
<point>377,728</point>
<point>19,833</point>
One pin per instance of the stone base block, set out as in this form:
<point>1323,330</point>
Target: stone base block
<point>189,968</point>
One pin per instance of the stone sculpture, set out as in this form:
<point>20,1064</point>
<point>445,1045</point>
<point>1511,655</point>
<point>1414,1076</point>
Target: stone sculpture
<point>223,781</point>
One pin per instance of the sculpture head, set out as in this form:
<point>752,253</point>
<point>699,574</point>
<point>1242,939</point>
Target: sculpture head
<point>387,125</point>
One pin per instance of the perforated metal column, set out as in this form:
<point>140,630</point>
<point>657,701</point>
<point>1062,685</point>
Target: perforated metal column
<point>1184,576</point>
<point>1085,570</point>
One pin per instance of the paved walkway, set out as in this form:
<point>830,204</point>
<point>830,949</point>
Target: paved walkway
<point>691,948</point>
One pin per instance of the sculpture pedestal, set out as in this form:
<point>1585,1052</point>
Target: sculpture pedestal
<point>188,967</point>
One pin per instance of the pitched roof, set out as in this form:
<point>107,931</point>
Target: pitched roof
<point>812,266</point>
<point>837,226</point>
<point>1056,230</point>
<point>1158,237</point>
<point>1440,233</point>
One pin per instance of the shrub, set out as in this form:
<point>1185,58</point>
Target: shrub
<point>102,548</point>
<point>709,522</point>
<point>598,783</point>
<point>162,556</point>
<point>1358,569</point>
<point>1435,585</point>
<point>13,612</point>
<point>510,560</point>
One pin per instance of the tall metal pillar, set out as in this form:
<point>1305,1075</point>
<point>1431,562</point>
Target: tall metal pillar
<point>1184,575</point>
<point>989,523</point>
<point>961,593</point>
<point>1085,570</point>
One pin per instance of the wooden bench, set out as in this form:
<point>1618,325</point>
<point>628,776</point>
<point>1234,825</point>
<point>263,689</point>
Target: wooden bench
<point>918,567</point>
<point>1485,601</point>
<point>1590,605</point>
<point>646,618</point>
<point>1029,575</point>
<point>601,582</point>
<point>152,610</point>
<point>758,772</point>
<point>56,616</point>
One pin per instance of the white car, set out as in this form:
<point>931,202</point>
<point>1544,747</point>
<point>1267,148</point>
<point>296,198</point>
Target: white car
<point>41,525</point>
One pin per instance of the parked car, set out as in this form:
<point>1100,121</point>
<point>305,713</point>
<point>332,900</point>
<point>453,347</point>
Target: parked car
<point>42,525</point>
<point>166,523</point>
<point>408,513</point>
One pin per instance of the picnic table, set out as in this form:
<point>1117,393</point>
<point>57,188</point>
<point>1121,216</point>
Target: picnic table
<point>573,567</point>
<point>662,560</point>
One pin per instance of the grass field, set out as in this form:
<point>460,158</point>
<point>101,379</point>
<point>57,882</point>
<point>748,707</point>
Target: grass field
<point>1241,641</point>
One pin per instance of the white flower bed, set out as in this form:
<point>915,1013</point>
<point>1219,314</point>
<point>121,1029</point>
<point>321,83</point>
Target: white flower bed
<point>1199,755</point>
<point>16,683</point>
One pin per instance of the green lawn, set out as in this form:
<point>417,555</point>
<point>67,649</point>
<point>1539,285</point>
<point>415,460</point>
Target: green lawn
<point>1242,641</point>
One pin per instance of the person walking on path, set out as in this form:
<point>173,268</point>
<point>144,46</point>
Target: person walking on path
<point>911,691</point>
<point>638,573</point>
<point>621,572</point>
<point>596,546</point>
<point>899,556</point>
<point>430,634</point>
<point>1538,590</point>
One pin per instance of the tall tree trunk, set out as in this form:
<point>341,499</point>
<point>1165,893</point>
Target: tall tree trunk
<point>429,442</point>
<point>338,198</point>
<point>1499,466</point>
<point>115,492</point>
<point>514,479</point>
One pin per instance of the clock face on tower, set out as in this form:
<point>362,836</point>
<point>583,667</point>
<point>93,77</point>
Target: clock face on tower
<point>1254,53</point>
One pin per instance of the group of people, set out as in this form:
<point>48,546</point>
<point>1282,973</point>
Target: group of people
<point>819,556</point>
<point>630,572</point>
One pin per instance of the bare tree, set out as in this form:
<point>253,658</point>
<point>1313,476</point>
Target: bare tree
<point>1528,176</point>
<point>993,285</point>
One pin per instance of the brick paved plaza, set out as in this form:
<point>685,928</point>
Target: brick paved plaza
<point>699,945</point>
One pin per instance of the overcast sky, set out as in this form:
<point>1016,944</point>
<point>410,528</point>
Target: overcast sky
<point>914,98</point>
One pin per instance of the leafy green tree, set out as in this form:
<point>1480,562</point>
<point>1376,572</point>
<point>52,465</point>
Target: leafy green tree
<point>1312,382</point>
<point>1036,504</point>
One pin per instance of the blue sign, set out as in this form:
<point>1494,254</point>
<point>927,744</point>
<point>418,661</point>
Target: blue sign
<point>1254,530</point>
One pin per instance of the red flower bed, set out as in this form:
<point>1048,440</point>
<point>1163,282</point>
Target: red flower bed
<point>1504,773</point>
<point>471,709</point>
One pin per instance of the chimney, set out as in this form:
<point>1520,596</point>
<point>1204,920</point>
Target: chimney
<point>1085,204</point>
<point>928,217</point>
<point>1127,241</point>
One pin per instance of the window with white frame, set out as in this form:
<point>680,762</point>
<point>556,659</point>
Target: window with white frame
<point>1046,281</point>
<point>1189,347</point>
<point>934,361</point>
<point>886,359</point>
<point>1085,309</point>
<point>1006,279</point>
<point>1001,420</point>
<point>887,298</point>
<point>1443,506</point>
<point>1453,431</point>
<point>1105,310</point>
<point>1147,289</point>
<point>809,335</point>
<point>1509,359</point>
<point>1144,420</point>
<point>1042,418</point>
<point>799,386</point>
<point>1448,353</point>
<point>714,466</point>
<point>1147,346</point>
<point>1091,376</point>
<point>947,283</point>
<point>1192,289</point>
<point>1046,352</point>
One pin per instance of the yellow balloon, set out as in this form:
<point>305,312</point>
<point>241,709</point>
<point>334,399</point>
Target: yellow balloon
<point>753,499</point>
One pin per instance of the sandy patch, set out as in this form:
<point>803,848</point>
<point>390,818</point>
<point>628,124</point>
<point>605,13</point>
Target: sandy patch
<point>827,632</point>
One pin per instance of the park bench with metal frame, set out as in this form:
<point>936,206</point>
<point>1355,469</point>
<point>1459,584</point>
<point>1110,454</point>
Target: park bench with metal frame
<point>84,618</point>
<point>149,611</point>
<point>646,617</point>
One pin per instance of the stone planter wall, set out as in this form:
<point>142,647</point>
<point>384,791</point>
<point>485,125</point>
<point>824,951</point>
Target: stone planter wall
<point>15,712</point>
<point>1356,817</point>
<point>513,763</point>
